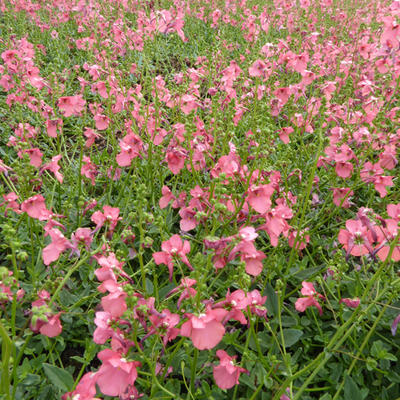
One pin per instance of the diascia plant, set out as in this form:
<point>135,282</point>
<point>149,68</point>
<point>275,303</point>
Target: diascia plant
<point>199,200</point>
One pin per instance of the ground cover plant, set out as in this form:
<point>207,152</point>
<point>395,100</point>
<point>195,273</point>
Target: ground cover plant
<point>200,199</point>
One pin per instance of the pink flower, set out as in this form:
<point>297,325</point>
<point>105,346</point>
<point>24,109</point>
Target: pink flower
<point>71,105</point>
<point>58,244</point>
<point>206,330</point>
<point>89,170</point>
<point>91,136</point>
<point>258,68</point>
<point>341,197</point>
<point>344,169</point>
<point>226,374</point>
<point>52,327</point>
<point>173,248</point>
<point>175,159</point>
<point>356,238</point>
<point>116,373</point>
<point>131,146</point>
<point>284,134</point>
<point>35,156</point>
<point>353,303</point>
<point>259,197</point>
<point>52,125</point>
<point>54,168</point>
<point>101,121</point>
<point>82,236</point>
<point>304,302</point>
<point>282,94</point>
<point>103,332</point>
<point>166,197</point>
<point>187,292</point>
<point>35,207</point>
<point>114,303</point>
<point>164,325</point>
<point>10,202</point>
<point>188,221</point>
<point>85,390</point>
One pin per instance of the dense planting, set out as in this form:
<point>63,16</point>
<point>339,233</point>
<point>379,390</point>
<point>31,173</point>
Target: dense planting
<point>199,200</point>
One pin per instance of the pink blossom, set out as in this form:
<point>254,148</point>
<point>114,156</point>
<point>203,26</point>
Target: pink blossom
<point>35,207</point>
<point>52,327</point>
<point>114,303</point>
<point>116,373</point>
<point>89,170</point>
<point>353,303</point>
<point>91,136</point>
<point>356,238</point>
<point>174,248</point>
<point>54,168</point>
<point>259,197</point>
<point>226,374</point>
<point>311,300</point>
<point>188,219</point>
<point>58,244</point>
<point>205,330</point>
<point>131,146</point>
<point>85,390</point>
<point>71,105</point>
<point>175,159</point>
<point>341,197</point>
<point>101,121</point>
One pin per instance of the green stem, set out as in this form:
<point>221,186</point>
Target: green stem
<point>193,371</point>
<point>6,349</point>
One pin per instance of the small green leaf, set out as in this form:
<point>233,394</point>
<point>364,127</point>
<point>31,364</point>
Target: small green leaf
<point>351,390</point>
<point>59,377</point>
<point>272,300</point>
<point>291,336</point>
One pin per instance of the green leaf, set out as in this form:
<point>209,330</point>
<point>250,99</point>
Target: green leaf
<point>291,336</point>
<point>272,300</point>
<point>351,390</point>
<point>59,377</point>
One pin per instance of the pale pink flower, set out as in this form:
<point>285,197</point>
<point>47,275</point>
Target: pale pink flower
<point>116,373</point>
<point>71,105</point>
<point>226,374</point>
